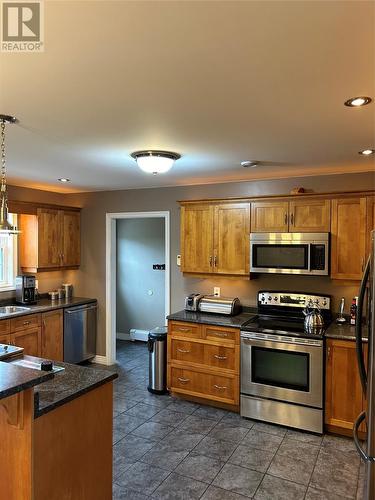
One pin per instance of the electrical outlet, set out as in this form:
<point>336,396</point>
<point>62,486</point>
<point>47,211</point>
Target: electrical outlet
<point>179,260</point>
<point>217,291</point>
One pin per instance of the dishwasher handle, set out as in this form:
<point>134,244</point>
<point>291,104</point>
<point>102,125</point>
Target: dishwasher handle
<point>80,309</point>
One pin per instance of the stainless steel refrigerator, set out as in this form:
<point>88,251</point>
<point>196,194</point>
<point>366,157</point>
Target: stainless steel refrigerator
<point>366,300</point>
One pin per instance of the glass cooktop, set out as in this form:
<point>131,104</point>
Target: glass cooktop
<point>280,325</point>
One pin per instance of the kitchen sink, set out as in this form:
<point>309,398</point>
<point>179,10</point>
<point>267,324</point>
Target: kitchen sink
<point>12,310</point>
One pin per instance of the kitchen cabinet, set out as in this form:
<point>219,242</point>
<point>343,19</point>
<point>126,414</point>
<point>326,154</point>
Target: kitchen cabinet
<point>29,339</point>
<point>300,215</point>
<point>215,238</point>
<point>370,222</point>
<point>5,339</point>
<point>203,363</point>
<point>344,397</point>
<point>52,335</point>
<point>23,331</point>
<point>348,238</point>
<point>50,239</point>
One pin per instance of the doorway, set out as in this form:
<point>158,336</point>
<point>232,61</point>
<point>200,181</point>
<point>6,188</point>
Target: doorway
<point>138,276</point>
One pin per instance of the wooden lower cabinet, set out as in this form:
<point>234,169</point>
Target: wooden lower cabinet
<point>344,399</point>
<point>24,331</point>
<point>30,339</point>
<point>203,363</point>
<point>52,341</point>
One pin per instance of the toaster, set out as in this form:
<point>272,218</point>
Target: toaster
<point>192,301</point>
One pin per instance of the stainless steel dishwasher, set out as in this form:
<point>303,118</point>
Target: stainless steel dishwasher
<point>80,332</point>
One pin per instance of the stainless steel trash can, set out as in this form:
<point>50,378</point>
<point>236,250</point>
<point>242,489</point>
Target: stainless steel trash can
<point>157,349</point>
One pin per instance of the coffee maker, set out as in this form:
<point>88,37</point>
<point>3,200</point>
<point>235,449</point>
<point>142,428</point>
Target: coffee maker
<point>25,289</point>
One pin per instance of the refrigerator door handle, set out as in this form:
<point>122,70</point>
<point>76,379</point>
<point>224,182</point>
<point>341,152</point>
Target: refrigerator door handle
<point>361,452</point>
<point>358,327</point>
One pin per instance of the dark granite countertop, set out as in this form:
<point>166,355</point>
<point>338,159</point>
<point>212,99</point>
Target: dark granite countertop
<point>15,379</point>
<point>64,386</point>
<point>46,304</point>
<point>343,331</point>
<point>215,319</point>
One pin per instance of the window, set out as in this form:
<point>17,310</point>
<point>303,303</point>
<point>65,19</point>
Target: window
<point>8,258</point>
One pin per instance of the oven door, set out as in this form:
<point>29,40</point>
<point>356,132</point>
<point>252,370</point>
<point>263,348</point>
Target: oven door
<point>284,371</point>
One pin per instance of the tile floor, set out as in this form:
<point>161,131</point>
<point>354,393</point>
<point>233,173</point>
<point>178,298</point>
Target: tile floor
<point>165,448</point>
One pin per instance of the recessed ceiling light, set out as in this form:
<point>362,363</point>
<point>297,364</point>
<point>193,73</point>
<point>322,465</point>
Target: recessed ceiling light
<point>64,179</point>
<point>356,102</point>
<point>154,161</point>
<point>250,164</point>
<point>367,152</point>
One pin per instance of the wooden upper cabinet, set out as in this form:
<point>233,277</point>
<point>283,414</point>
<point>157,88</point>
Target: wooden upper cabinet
<point>269,216</point>
<point>348,238</point>
<point>71,236</point>
<point>231,238</point>
<point>49,240</point>
<point>311,216</point>
<point>197,238</point>
<point>370,222</point>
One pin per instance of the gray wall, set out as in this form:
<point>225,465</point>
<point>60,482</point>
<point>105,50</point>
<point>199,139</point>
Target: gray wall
<point>91,276</point>
<point>140,244</point>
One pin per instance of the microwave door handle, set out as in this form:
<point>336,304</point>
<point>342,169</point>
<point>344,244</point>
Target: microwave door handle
<point>358,327</point>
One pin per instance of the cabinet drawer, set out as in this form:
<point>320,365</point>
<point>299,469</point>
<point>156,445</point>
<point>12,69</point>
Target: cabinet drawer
<point>226,335</point>
<point>25,322</point>
<point>180,329</point>
<point>221,357</point>
<point>205,385</point>
<point>183,350</point>
<point>4,326</point>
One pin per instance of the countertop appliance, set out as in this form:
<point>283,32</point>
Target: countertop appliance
<point>290,253</point>
<point>192,301</point>
<point>25,289</point>
<point>282,363</point>
<point>367,290</point>
<point>80,324</point>
<point>213,304</point>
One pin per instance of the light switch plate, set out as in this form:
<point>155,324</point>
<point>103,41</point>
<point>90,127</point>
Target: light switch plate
<point>179,260</point>
<point>217,291</point>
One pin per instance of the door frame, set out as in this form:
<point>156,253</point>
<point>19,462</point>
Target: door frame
<point>111,265</point>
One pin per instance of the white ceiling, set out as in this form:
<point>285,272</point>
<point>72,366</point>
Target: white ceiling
<point>218,82</point>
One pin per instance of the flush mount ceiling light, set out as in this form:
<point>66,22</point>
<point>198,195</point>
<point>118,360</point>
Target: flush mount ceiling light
<point>63,179</point>
<point>154,161</point>
<point>249,164</point>
<point>5,226</point>
<point>367,152</point>
<point>356,102</point>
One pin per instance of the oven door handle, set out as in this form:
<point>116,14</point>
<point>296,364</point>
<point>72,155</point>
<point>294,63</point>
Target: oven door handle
<point>309,257</point>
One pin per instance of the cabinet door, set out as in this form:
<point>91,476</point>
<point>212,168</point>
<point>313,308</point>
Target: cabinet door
<point>71,236</point>
<point>370,222</point>
<point>49,238</point>
<point>311,216</point>
<point>231,238</point>
<point>5,339</point>
<point>52,343</point>
<point>29,339</point>
<point>197,239</point>
<point>269,216</point>
<point>348,235</point>
<point>344,399</point>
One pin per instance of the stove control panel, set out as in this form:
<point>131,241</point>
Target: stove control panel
<point>289,299</point>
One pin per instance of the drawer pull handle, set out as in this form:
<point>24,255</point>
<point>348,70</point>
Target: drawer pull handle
<point>184,351</point>
<point>183,380</point>
<point>220,357</point>
<point>220,387</point>
<point>220,334</point>
<point>26,322</point>
<point>180,329</point>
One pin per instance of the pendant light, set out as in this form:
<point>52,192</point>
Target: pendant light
<point>5,226</point>
<point>155,161</point>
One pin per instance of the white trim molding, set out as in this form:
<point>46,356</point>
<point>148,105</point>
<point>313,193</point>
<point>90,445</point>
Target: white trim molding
<point>111,218</point>
<point>101,360</point>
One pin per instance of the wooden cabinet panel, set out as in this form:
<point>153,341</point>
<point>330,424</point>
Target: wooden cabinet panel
<point>29,339</point>
<point>269,216</point>
<point>49,238</point>
<point>4,326</point>
<point>224,335</point>
<point>370,222</point>
<point>309,216</point>
<point>5,339</point>
<point>344,401</point>
<point>24,322</point>
<point>231,238</point>
<point>188,352</point>
<point>222,357</point>
<point>348,238</point>
<point>197,239</point>
<point>181,329</point>
<point>71,250</point>
<point>52,340</point>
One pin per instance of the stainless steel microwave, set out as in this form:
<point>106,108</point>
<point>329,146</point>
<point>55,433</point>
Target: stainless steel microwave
<point>290,253</point>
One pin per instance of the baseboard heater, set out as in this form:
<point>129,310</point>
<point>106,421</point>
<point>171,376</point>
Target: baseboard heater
<point>136,334</point>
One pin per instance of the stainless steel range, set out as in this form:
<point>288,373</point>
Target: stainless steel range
<point>282,364</point>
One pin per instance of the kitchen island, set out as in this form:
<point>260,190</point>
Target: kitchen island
<point>55,432</point>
